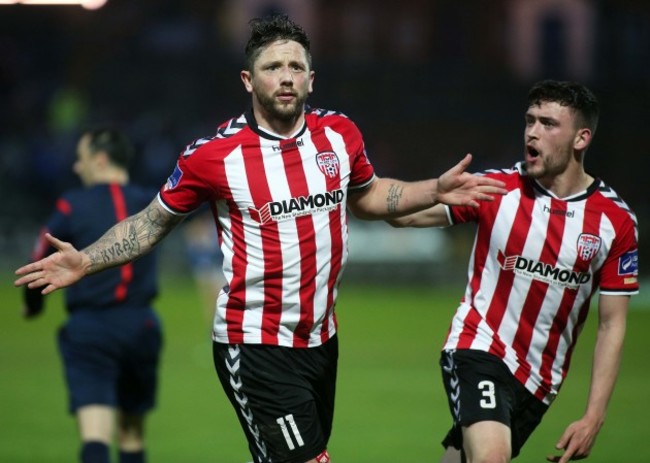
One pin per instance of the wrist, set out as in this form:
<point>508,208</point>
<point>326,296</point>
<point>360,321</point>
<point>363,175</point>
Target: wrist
<point>87,264</point>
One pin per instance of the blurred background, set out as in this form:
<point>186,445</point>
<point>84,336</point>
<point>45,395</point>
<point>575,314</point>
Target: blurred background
<point>426,81</point>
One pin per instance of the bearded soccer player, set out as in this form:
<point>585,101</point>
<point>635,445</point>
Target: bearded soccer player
<point>540,253</point>
<point>279,179</point>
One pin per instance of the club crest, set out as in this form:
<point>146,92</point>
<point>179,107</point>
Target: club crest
<point>588,246</point>
<point>328,163</point>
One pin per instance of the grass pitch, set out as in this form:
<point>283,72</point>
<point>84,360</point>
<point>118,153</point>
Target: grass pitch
<point>390,405</point>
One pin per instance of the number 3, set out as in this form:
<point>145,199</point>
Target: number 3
<point>487,390</point>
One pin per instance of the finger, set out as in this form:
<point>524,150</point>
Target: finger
<point>482,180</point>
<point>491,189</point>
<point>465,162</point>
<point>36,283</point>
<point>485,197</point>
<point>28,278</point>
<point>567,455</point>
<point>21,281</point>
<point>57,243</point>
<point>460,167</point>
<point>29,268</point>
<point>49,288</point>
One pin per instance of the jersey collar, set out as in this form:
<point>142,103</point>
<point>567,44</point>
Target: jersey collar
<point>265,133</point>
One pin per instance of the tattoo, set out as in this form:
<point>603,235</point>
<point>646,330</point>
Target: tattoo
<point>394,195</point>
<point>131,238</point>
<point>127,247</point>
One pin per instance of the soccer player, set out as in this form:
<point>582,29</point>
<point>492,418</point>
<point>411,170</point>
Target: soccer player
<point>541,251</point>
<point>112,340</point>
<point>279,179</point>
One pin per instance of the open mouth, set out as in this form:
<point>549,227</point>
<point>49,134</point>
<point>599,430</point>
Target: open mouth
<point>532,152</point>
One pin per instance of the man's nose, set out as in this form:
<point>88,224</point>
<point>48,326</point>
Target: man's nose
<point>287,76</point>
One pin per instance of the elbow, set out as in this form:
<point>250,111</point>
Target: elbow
<point>360,214</point>
<point>397,223</point>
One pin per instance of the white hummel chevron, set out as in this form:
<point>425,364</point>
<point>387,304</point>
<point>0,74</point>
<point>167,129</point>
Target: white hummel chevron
<point>247,413</point>
<point>234,367</point>
<point>235,383</point>
<point>242,400</point>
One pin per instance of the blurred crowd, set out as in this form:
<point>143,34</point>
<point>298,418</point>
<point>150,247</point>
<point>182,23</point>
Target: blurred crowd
<point>427,81</point>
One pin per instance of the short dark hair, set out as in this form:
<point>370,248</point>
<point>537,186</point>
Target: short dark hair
<point>269,29</point>
<point>113,142</point>
<point>570,94</point>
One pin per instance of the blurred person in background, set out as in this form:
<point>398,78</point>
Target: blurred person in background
<point>540,253</point>
<point>278,179</point>
<point>112,340</point>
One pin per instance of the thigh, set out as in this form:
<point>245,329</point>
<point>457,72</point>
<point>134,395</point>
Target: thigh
<point>91,372</point>
<point>527,415</point>
<point>478,390</point>
<point>284,397</point>
<point>478,386</point>
<point>487,441</point>
<point>481,389</point>
<point>139,362</point>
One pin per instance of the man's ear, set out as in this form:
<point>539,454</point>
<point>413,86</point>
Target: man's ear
<point>582,139</point>
<point>310,89</point>
<point>247,78</point>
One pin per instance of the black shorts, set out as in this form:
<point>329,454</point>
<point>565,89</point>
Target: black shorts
<point>111,357</point>
<point>480,387</point>
<point>284,397</point>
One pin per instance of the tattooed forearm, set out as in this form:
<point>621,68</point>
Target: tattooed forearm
<point>156,224</point>
<point>393,198</point>
<point>131,238</point>
<point>114,249</point>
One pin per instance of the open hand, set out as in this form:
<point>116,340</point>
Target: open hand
<point>58,270</point>
<point>459,188</point>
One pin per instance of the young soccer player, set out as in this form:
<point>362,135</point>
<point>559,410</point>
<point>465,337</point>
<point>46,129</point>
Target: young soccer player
<point>541,252</point>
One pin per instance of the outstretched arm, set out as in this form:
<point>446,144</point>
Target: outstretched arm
<point>435,216</point>
<point>580,436</point>
<point>388,198</point>
<point>126,241</point>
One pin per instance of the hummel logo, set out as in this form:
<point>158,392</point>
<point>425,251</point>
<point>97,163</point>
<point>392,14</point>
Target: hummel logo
<point>288,144</point>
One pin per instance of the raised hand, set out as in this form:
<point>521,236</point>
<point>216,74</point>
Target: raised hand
<point>459,188</point>
<point>58,270</point>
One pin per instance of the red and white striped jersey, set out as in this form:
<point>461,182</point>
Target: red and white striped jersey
<point>535,263</point>
<point>280,210</point>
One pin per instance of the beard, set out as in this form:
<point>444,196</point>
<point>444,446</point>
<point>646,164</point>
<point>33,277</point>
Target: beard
<point>549,167</point>
<point>281,111</point>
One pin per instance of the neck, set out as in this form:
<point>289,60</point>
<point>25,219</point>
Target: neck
<point>284,128</point>
<point>564,186</point>
<point>118,176</point>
